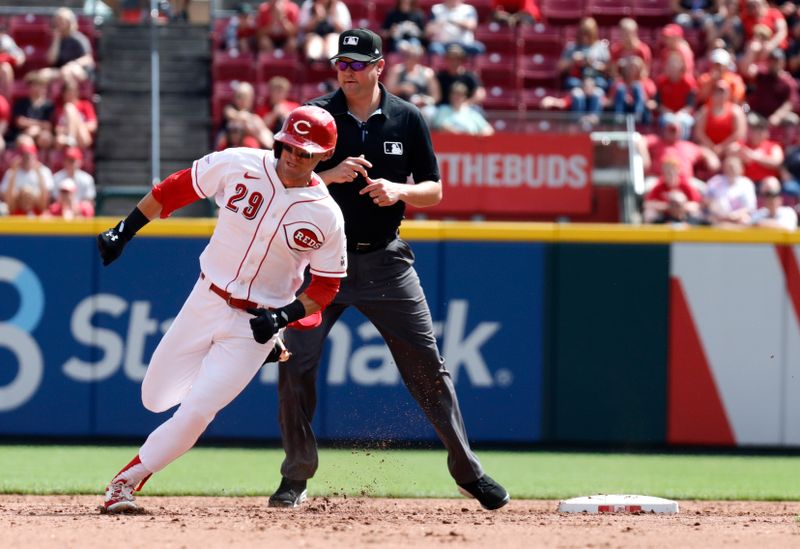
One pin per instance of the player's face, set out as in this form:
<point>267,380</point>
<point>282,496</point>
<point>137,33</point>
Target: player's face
<point>295,164</point>
<point>355,83</point>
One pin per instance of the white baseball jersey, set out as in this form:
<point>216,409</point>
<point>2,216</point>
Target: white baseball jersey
<point>266,234</point>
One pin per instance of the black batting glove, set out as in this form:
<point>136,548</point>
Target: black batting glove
<point>265,324</point>
<point>111,243</point>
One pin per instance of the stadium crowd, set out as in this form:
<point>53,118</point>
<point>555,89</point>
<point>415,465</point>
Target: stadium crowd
<point>712,86</point>
<point>47,116</point>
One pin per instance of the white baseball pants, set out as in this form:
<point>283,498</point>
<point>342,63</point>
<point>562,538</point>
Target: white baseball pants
<point>206,358</point>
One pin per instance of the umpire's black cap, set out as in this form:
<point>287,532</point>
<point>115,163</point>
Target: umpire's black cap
<point>359,45</point>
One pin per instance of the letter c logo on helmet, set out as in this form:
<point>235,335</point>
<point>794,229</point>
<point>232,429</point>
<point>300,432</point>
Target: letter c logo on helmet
<point>309,128</point>
<point>304,123</point>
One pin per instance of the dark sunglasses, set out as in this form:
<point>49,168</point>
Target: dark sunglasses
<point>357,66</point>
<point>298,152</point>
<point>770,194</point>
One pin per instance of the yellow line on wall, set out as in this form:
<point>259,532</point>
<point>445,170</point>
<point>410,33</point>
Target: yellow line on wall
<point>441,230</point>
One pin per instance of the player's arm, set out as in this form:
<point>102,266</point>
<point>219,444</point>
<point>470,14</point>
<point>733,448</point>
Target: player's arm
<point>267,322</point>
<point>171,194</point>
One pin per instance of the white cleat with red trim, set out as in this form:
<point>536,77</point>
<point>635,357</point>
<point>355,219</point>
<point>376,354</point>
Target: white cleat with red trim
<point>119,498</point>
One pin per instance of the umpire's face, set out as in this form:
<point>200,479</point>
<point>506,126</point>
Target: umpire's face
<point>359,84</point>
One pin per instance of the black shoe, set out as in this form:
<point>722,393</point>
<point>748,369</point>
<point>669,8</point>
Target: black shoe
<point>487,491</point>
<point>290,493</point>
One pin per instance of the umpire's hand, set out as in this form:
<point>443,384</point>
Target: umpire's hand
<point>264,324</point>
<point>383,192</point>
<point>347,170</point>
<point>111,243</point>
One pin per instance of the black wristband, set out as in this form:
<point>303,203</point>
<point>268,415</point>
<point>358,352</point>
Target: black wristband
<point>293,311</point>
<point>131,224</point>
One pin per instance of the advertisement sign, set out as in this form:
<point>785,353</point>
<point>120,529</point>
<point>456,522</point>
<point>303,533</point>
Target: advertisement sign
<point>514,174</point>
<point>75,340</point>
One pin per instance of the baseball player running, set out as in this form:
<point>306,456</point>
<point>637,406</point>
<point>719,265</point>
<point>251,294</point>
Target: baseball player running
<point>276,218</point>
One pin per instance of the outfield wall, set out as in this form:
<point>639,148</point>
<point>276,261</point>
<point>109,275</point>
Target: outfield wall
<point>592,334</point>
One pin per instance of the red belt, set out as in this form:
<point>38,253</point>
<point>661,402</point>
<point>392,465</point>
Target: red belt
<point>232,301</point>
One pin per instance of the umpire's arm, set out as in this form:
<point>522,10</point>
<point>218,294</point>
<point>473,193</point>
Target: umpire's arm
<point>425,169</point>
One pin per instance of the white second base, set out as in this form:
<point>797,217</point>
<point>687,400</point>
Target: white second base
<point>617,503</point>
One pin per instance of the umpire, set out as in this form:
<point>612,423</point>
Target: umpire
<point>382,141</point>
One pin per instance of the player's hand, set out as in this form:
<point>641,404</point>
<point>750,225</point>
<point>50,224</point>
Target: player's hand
<point>264,324</point>
<point>382,191</point>
<point>110,243</point>
<point>348,169</point>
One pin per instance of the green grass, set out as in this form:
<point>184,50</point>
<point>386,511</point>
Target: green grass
<point>408,473</point>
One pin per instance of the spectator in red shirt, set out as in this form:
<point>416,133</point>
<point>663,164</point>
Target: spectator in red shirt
<point>655,148</point>
<point>773,92</point>
<point>721,69</point>
<point>657,203</point>
<point>720,123</point>
<point>761,156</point>
<point>277,25</point>
<point>277,105</point>
<point>630,45</point>
<point>676,90</point>
<point>674,41</point>
<point>76,120</point>
<point>758,12</point>
<point>515,12</point>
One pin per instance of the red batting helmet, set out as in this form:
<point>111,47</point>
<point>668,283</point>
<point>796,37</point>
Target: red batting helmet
<point>309,128</point>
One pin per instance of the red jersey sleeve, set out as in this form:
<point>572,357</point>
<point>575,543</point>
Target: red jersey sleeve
<point>175,192</point>
<point>323,289</point>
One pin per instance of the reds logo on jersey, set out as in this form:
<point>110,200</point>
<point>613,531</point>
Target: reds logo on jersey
<point>303,236</point>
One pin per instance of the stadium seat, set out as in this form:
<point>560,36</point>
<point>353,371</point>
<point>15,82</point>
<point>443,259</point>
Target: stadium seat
<point>270,65</point>
<point>653,12</point>
<point>379,10</point>
<point>32,36</point>
<point>222,95</point>
<point>218,32</point>
<point>539,70</point>
<point>484,9</point>
<point>542,39</point>
<point>501,98</point>
<point>361,14</point>
<point>227,67</point>
<point>497,70</point>
<point>319,71</point>
<point>609,11</point>
<point>312,90</point>
<point>86,26</point>
<point>531,98</point>
<point>35,59</point>
<point>497,38</point>
<point>562,12</point>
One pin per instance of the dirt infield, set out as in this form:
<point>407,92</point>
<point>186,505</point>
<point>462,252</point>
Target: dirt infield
<point>74,521</point>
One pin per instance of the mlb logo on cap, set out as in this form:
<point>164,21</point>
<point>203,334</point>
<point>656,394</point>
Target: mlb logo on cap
<point>359,45</point>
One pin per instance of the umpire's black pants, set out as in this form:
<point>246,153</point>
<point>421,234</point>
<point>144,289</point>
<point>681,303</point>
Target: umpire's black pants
<point>384,286</point>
